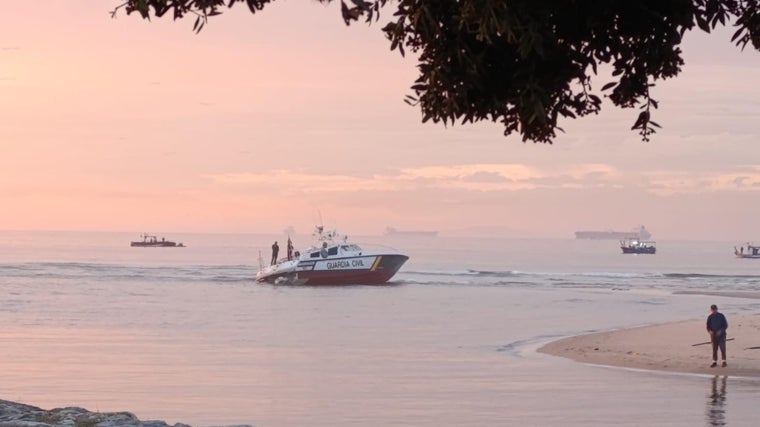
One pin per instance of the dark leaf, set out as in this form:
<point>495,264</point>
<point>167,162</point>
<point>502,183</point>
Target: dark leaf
<point>737,34</point>
<point>567,113</point>
<point>702,23</point>
<point>641,120</point>
<point>251,5</point>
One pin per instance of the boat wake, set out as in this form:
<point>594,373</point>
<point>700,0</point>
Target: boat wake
<point>64,271</point>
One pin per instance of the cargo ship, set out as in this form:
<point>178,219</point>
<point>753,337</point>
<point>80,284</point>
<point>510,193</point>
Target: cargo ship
<point>390,231</point>
<point>640,233</point>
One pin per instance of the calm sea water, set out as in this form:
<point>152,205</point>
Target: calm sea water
<point>186,335</point>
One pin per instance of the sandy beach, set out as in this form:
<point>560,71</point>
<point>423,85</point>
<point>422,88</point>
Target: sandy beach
<point>667,347</point>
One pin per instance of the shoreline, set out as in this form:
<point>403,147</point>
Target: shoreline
<point>667,347</point>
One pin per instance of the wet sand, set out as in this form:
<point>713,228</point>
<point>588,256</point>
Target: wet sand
<point>667,347</point>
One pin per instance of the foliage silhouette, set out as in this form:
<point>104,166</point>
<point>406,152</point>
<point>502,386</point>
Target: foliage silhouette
<point>525,63</point>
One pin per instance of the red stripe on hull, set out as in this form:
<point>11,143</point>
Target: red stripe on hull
<point>387,268</point>
<point>359,277</point>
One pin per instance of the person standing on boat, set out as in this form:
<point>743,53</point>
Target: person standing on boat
<point>290,249</point>
<point>716,327</point>
<point>275,251</point>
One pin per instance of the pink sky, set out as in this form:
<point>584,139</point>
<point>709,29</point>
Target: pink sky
<point>260,121</point>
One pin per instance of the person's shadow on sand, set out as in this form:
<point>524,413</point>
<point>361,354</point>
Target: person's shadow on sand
<point>716,402</point>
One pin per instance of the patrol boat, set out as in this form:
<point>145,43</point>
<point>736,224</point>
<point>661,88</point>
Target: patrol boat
<point>333,260</point>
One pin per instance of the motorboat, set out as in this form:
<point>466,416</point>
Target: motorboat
<point>747,250</point>
<point>149,241</point>
<point>636,246</point>
<point>333,260</point>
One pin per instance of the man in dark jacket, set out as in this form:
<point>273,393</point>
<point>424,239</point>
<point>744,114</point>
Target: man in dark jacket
<point>275,251</point>
<point>716,327</point>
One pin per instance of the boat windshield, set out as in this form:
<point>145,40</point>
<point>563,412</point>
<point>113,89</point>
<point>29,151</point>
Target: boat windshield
<point>324,252</point>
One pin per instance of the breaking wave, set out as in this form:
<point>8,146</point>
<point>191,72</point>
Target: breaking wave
<point>610,280</point>
<point>231,274</point>
<point>119,273</point>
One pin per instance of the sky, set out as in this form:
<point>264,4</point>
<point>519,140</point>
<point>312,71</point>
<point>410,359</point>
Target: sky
<point>278,119</point>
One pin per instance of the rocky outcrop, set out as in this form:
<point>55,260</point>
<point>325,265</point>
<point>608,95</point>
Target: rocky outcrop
<point>19,415</point>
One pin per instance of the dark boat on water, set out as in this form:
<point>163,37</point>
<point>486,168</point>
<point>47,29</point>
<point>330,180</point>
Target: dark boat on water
<point>149,241</point>
<point>636,246</point>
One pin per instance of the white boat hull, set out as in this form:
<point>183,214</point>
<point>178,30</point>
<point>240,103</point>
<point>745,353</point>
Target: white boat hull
<point>355,270</point>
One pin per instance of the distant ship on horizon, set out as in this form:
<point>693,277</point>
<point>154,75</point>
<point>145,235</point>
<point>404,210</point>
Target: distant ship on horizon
<point>150,241</point>
<point>640,233</point>
<point>390,231</point>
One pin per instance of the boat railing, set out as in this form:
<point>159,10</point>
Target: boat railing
<point>362,247</point>
<point>376,247</point>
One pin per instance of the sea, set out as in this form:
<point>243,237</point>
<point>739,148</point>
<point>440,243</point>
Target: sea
<point>187,335</point>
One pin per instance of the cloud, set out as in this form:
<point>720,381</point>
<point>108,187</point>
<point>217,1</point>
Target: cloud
<point>667,183</point>
<point>492,177</point>
<point>473,177</point>
<point>298,181</point>
<point>484,176</point>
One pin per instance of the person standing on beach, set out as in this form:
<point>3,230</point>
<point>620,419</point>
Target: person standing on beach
<point>716,327</point>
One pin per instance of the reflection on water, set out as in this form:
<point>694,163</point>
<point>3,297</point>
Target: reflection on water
<point>716,402</point>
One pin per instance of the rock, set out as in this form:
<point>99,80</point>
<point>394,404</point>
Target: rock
<point>14,414</point>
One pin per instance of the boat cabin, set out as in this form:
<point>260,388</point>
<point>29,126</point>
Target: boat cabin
<point>327,251</point>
